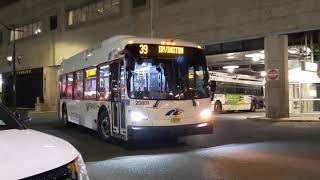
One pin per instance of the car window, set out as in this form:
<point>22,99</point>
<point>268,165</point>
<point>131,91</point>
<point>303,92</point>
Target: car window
<point>7,121</point>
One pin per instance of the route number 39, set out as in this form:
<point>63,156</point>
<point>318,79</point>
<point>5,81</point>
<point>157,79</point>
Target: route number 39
<point>143,49</point>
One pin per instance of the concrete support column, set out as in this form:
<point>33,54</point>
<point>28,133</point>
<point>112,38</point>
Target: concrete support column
<point>277,91</point>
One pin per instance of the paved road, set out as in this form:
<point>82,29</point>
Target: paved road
<point>238,149</point>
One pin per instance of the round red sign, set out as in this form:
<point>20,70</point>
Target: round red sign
<point>273,74</point>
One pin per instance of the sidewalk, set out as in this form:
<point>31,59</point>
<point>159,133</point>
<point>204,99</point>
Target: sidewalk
<point>292,118</point>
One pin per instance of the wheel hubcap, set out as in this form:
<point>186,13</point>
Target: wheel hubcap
<point>64,116</point>
<point>105,128</point>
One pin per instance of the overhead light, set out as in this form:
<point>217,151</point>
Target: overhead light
<point>256,56</point>
<point>263,73</point>
<point>199,47</point>
<point>9,58</point>
<point>230,68</point>
<point>230,57</point>
<point>130,42</point>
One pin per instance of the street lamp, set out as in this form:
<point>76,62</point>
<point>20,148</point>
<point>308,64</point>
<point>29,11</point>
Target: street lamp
<point>13,60</point>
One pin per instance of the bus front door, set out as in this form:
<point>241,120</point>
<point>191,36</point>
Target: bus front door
<point>118,98</point>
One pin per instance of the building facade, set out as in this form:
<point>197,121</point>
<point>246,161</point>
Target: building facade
<point>48,32</point>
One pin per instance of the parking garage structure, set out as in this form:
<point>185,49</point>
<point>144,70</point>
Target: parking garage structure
<point>286,63</point>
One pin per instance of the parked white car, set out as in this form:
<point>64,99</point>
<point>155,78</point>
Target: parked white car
<point>29,154</point>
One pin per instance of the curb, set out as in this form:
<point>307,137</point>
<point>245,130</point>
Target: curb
<point>284,120</point>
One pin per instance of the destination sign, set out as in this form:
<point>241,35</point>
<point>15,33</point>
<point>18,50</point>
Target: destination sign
<point>171,50</point>
<point>160,50</point>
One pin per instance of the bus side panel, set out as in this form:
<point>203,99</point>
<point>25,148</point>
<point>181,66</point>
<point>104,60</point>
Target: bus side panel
<point>73,116</point>
<point>89,113</point>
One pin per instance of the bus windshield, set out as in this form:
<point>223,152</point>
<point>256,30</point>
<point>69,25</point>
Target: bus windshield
<point>169,78</point>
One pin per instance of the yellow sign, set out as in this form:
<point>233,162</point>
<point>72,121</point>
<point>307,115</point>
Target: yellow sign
<point>91,73</point>
<point>144,49</point>
<point>171,50</point>
<point>175,119</point>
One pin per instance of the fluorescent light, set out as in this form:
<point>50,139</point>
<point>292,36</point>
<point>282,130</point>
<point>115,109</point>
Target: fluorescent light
<point>230,68</point>
<point>256,56</point>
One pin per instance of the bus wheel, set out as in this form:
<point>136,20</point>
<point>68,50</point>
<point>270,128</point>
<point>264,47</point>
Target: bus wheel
<point>217,107</point>
<point>104,127</point>
<point>253,107</point>
<point>65,121</point>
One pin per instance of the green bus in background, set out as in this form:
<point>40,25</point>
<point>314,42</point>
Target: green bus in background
<point>236,92</point>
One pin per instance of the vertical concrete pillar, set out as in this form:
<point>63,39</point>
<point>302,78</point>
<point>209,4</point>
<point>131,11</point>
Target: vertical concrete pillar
<point>277,91</point>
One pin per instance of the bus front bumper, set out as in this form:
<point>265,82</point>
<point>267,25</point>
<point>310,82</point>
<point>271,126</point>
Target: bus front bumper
<point>156,132</point>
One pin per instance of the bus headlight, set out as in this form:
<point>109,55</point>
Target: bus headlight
<point>137,116</point>
<point>78,169</point>
<point>206,114</point>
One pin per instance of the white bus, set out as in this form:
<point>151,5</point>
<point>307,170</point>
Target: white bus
<point>136,88</point>
<point>236,92</point>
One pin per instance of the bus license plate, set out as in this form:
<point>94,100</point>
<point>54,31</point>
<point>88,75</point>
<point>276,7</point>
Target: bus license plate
<point>175,120</point>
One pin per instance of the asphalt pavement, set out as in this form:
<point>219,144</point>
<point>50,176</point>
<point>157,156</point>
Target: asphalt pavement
<point>238,149</point>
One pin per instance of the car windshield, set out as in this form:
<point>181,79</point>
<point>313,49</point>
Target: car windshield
<point>7,121</point>
<point>180,77</point>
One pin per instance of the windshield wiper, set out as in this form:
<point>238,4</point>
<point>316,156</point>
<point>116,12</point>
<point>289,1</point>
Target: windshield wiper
<point>156,104</point>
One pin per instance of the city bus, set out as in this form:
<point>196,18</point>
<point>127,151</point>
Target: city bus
<point>236,92</point>
<point>130,88</point>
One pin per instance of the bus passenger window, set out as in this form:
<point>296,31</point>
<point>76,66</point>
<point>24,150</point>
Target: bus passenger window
<point>90,84</point>
<point>69,85</point>
<point>63,86</point>
<point>78,85</point>
<point>104,78</point>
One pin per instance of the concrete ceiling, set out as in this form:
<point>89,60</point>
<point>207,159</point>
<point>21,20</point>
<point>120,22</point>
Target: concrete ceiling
<point>4,3</point>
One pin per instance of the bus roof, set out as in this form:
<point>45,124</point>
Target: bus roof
<point>235,78</point>
<point>110,49</point>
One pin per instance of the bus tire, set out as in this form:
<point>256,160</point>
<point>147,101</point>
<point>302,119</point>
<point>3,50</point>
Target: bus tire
<point>217,107</point>
<point>104,129</point>
<point>253,106</point>
<point>64,117</point>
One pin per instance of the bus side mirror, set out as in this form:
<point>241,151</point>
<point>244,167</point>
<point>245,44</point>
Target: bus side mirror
<point>213,86</point>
